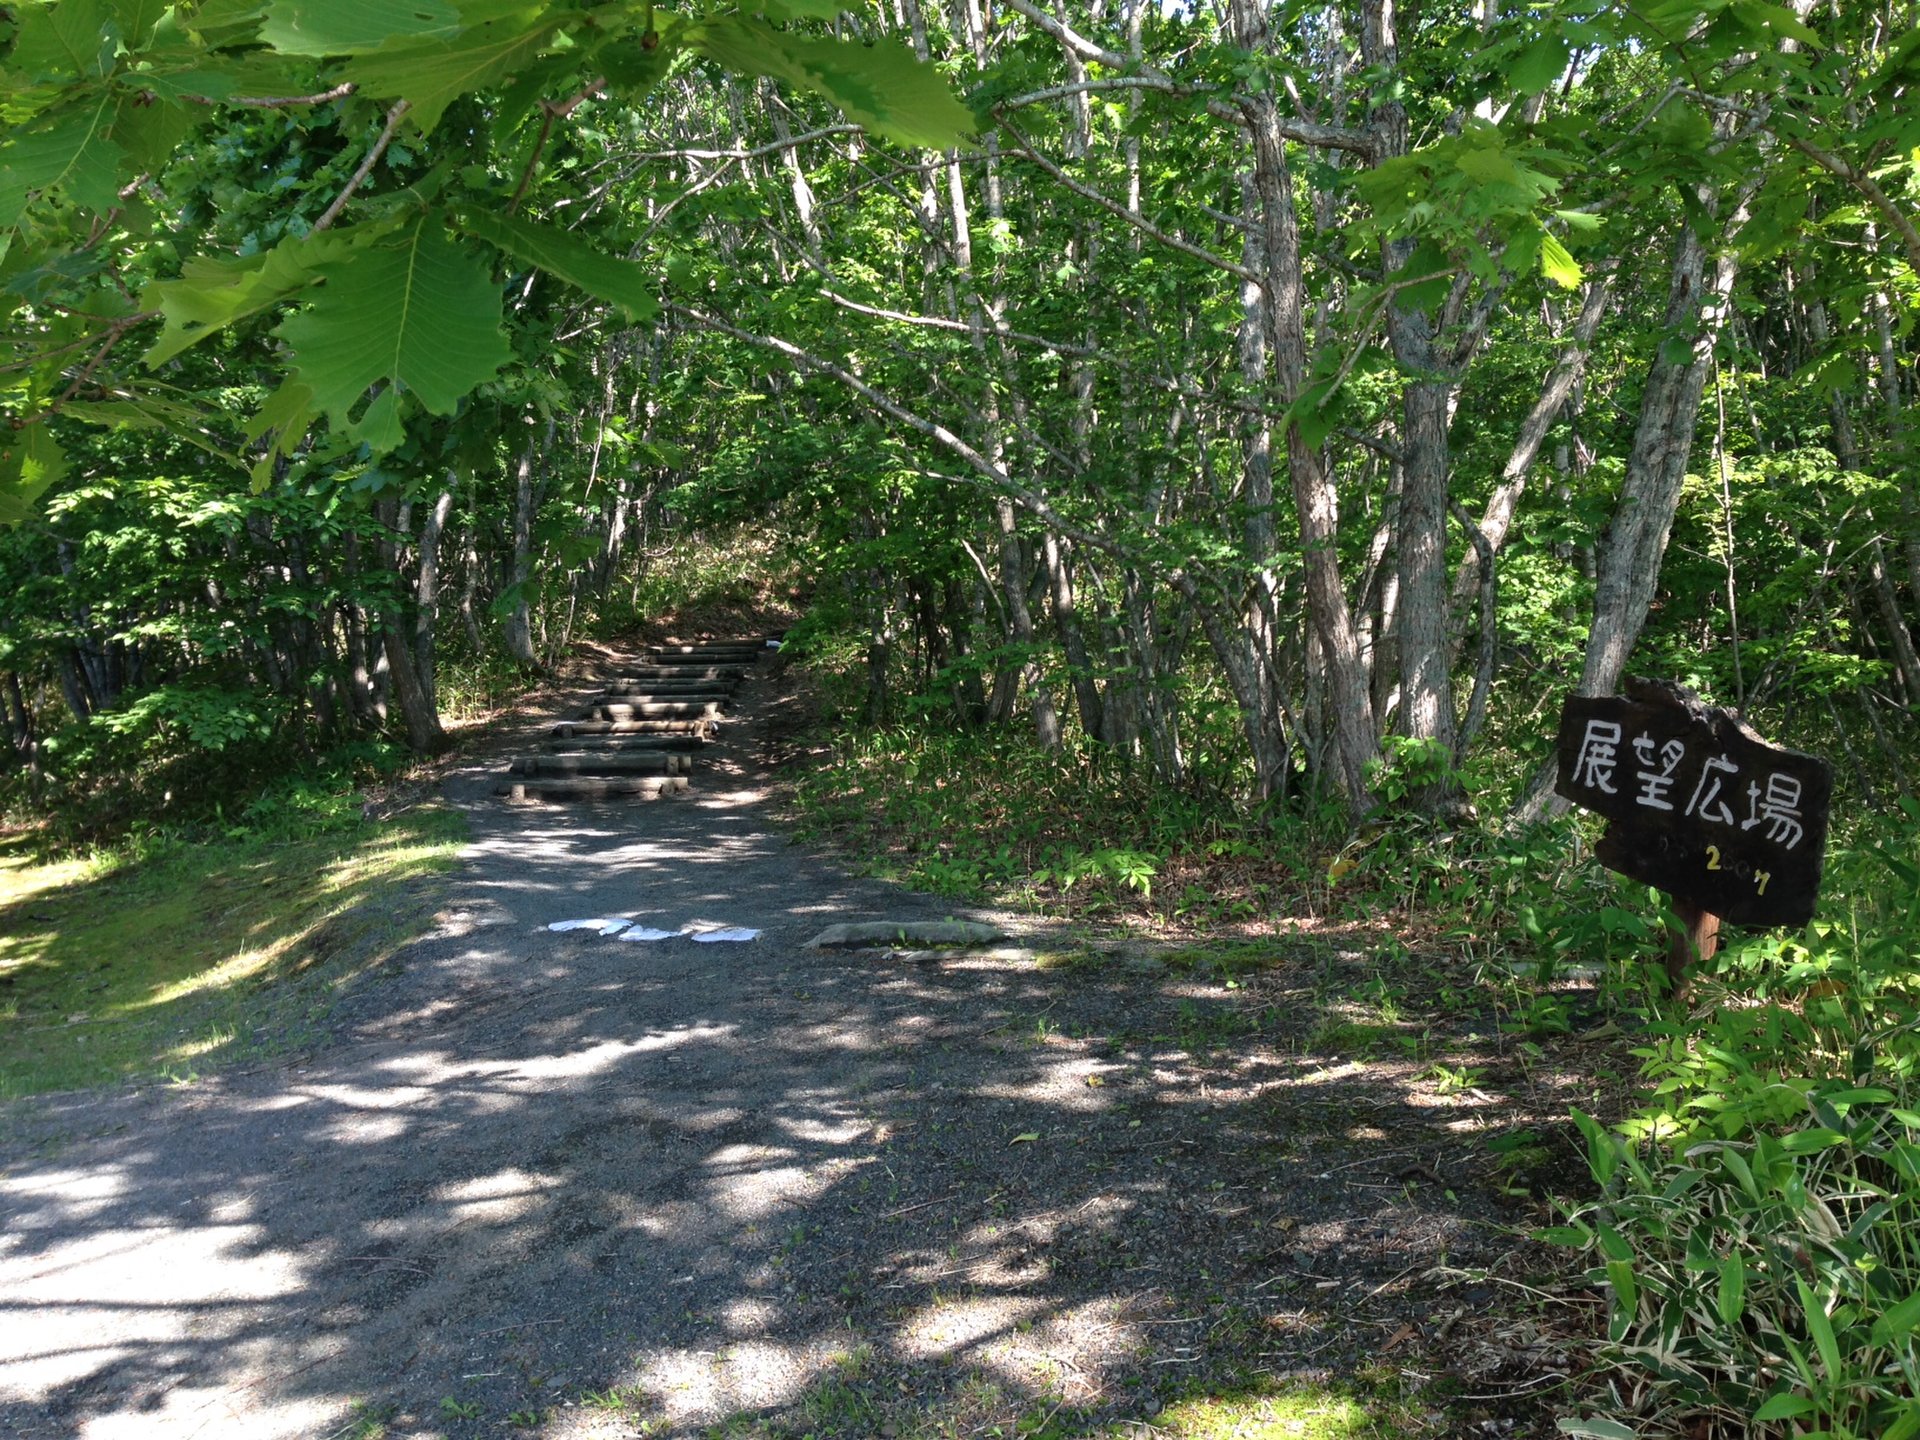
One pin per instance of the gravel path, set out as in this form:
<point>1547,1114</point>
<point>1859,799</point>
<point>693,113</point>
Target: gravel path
<point>562,1185</point>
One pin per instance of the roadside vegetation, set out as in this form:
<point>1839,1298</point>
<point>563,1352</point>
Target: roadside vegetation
<point>1751,1155</point>
<point>169,955</point>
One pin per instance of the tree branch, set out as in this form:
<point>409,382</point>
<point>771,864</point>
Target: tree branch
<point>1305,132</point>
<point>1145,226</point>
<point>1839,166</point>
<point>332,212</point>
<point>549,113</point>
<point>995,477</point>
<point>825,132</point>
<point>277,102</point>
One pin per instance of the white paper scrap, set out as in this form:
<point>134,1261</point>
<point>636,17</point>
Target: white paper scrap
<point>600,926</point>
<point>738,932</point>
<point>641,932</point>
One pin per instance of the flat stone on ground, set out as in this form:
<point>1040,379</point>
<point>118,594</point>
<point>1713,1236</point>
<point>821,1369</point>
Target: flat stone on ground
<point>900,932</point>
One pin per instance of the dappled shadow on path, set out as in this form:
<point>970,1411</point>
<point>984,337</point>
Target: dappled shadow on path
<point>589,1187</point>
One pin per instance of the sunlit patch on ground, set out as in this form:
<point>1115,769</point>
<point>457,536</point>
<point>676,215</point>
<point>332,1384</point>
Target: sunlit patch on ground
<point>115,967</point>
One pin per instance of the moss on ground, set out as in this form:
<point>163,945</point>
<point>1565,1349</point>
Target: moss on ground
<point>193,956</point>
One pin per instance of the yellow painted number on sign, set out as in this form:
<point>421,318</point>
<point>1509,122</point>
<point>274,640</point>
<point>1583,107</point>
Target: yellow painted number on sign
<point>1713,857</point>
<point>1760,879</point>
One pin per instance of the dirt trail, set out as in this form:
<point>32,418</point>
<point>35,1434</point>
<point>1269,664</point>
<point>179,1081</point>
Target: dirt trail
<point>571,1186</point>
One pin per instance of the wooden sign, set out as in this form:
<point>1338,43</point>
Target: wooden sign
<point>1698,804</point>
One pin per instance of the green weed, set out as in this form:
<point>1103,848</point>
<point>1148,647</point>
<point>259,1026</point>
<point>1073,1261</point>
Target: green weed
<point>173,958</point>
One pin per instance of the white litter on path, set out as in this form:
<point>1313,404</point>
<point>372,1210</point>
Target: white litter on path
<point>738,932</point>
<point>641,932</point>
<point>601,926</point>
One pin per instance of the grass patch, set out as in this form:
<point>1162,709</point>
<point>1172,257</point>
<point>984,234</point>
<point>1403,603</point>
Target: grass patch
<point>1293,1411</point>
<point>192,955</point>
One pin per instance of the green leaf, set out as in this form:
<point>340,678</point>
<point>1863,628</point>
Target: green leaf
<point>413,312</point>
<point>1783,1406</point>
<point>226,22</point>
<point>1594,1427</point>
<point>213,293</point>
<point>73,40</point>
<point>881,86</point>
<point>353,27</point>
<point>144,411</point>
<point>30,463</point>
<point>1540,65</point>
<point>618,282</point>
<point>149,131</point>
<point>1575,1235</point>
<point>137,19</point>
<point>71,152</point>
<point>1820,1327</point>
<point>286,415</point>
<point>1805,1142</point>
<point>1557,262</point>
<point>1732,1300</point>
<point>431,74</point>
<point>1899,1323</point>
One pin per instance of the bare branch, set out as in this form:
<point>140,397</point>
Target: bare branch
<point>825,132</point>
<point>1305,132</point>
<point>551,112</point>
<point>277,102</point>
<point>365,169</point>
<point>1146,227</point>
<point>985,471</point>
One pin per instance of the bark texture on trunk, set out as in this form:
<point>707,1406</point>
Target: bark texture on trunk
<point>517,623</point>
<point>1627,569</point>
<point>427,597</point>
<point>1354,742</point>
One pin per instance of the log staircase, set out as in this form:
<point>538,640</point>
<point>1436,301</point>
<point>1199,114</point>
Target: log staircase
<point>641,737</point>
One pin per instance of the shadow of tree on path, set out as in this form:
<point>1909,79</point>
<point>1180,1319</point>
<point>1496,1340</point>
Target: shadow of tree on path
<point>581,1187</point>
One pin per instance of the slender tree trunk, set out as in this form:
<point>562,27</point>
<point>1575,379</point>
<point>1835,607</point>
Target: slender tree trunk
<point>517,624</point>
<point>1355,744</point>
<point>1628,566</point>
<point>1561,382</point>
<point>368,704</point>
<point>427,598</point>
<point>397,628</point>
<point>1066,621</point>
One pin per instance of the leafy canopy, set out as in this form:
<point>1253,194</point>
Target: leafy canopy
<point>110,108</point>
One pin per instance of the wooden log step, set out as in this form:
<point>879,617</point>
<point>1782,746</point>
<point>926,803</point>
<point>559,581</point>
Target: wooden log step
<point>681,672</point>
<point>664,697</point>
<point>755,643</point>
<point>589,788</point>
<point>639,764</point>
<point>623,744</point>
<point>653,710</point>
<point>706,655</point>
<point>673,689</point>
<point>568,729</point>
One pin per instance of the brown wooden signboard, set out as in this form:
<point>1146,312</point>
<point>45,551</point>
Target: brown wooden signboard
<point>1698,804</point>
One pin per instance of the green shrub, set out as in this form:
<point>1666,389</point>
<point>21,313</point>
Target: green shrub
<point>1758,1228</point>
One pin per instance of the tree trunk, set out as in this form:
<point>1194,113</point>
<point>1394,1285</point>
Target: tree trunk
<point>427,598</point>
<point>1628,566</point>
<point>1066,624</point>
<point>1497,517</point>
<point>517,624</point>
<point>1355,745</point>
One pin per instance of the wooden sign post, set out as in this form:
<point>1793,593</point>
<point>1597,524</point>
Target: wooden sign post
<point>1731,827</point>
